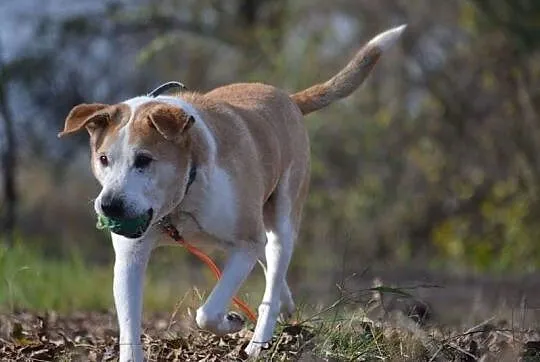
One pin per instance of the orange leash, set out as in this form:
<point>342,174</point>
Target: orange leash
<point>173,233</point>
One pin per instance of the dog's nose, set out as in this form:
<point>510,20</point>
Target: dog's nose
<point>112,207</point>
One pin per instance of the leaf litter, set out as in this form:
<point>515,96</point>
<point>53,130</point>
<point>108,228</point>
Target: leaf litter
<point>93,336</point>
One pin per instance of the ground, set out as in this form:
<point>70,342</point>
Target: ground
<point>28,336</point>
<point>93,336</point>
<point>60,310</point>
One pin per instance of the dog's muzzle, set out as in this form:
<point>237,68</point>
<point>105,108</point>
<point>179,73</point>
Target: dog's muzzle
<point>131,228</point>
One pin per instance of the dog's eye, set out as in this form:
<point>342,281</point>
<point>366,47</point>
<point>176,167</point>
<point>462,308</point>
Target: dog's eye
<point>142,161</point>
<point>104,160</point>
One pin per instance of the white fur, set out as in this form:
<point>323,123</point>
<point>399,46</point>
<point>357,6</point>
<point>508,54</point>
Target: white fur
<point>131,259</point>
<point>121,179</point>
<point>131,255</point>
<point>219,209</point>
<point>288,306</point>
<point>135,103</point>
<point>385,40</point>
<point>219,205</point>
<point>278,253</point>
<point>212,315</point>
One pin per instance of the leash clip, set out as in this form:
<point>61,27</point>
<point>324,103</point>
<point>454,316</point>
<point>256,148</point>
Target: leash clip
<point>169,229</point>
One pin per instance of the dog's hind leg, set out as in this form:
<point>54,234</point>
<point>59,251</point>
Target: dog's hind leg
<point>287,305</point>
<point>282,217</point>
<point>278,253</point>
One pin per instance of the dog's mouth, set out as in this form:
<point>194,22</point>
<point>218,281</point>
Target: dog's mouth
<point>131,228</point>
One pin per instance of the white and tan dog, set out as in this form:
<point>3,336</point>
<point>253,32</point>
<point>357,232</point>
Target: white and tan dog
<point>247,147</point>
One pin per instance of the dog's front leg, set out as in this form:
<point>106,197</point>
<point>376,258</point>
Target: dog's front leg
<point>129,269</point>
<point>213,315</point>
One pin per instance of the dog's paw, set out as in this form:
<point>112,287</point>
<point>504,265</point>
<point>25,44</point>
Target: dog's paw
<point>235,321</point>
<point>285,316</point>
<point>253,350</point>
<point>287,311</point>
<point>220,323</point>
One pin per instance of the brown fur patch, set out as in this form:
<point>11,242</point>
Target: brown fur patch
<point>83,115</point>
<point>118,115</point>
<point>171,122</point>
<point>150,122</point>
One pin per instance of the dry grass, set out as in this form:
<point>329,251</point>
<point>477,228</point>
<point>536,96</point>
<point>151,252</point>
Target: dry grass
<point>28,336</point>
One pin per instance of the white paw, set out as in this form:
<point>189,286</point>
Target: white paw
<point>235,322</point>
<point>219,324</point>
<point>253,350</point>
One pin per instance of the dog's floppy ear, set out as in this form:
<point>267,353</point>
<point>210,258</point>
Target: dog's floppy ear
<point>171,122</point>
<point>85,115</point>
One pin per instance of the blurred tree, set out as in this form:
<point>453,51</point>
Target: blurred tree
<point>9,157</point>
<point>436,158</point>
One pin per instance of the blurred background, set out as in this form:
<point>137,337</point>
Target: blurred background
<point>429,174</point>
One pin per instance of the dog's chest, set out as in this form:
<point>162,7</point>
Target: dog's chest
<point>218,209</point>
<point>211,208</point>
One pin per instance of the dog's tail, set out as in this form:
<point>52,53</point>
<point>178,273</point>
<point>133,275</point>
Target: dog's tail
<point>349,78</point>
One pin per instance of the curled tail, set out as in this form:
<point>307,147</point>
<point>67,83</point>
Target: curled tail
<point>349,78</point>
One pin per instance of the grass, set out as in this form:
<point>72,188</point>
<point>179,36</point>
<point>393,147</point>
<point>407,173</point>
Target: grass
<point>344,332</point>
<point>34,282</point>
<point>340,332</point>
<point>31,280</point>
<point>354,337</point>
<point>357,338</point>
<point>351,341</point>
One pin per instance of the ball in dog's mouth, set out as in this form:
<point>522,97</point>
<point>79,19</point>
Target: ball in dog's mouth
<point>132,228</point>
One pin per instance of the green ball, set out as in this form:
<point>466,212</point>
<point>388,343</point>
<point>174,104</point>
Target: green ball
<point>131,228</point>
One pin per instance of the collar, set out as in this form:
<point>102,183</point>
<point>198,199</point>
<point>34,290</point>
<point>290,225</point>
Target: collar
<point>165,222</point>
<point>157,92</point>
<point>192,176</point>
<point>166,87</point>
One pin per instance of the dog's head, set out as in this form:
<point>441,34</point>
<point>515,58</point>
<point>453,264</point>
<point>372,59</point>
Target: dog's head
<point>141,155</point>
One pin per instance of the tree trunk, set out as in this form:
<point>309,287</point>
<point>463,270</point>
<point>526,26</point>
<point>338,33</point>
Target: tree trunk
<point>9,161</point>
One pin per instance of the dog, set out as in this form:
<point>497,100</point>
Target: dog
<point>229,168</point>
